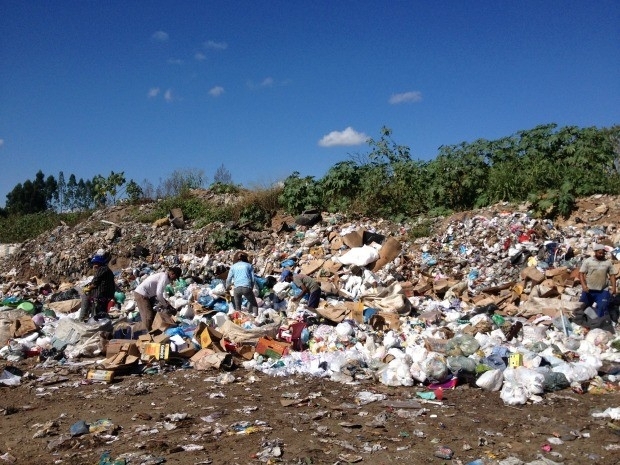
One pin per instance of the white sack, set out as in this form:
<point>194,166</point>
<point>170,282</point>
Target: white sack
<point>360,256</point>
<point>491,380</point>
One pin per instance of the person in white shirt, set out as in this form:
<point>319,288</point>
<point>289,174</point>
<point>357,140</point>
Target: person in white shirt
<point>151,291</point>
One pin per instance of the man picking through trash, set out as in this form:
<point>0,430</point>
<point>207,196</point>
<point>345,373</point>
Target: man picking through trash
<point>151,291</point>
<point>596,275</point>
<point>242,275</point>
<point>307,285</point>
<point>99,292</point>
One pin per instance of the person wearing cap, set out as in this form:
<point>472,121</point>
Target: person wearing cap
<point>241,274</point>
<point>151,292</point>
<point>598,280</point>
<point>307,285</point>
<point>99,292</point>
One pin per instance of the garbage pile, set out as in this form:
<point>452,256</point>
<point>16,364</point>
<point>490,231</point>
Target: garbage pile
<point>490,300</point>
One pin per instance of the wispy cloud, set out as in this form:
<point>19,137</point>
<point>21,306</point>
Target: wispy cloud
<point>268,82</point>
<point>215,45</point>
<point>406,97</point>
<point>199,56</point>
<point>216,91</point>
<point>175,61</point>
<point>153,92</point>
<point>168,97</point>
<point>160,36</point>
<point>1,142</point>
<point>347,137</point>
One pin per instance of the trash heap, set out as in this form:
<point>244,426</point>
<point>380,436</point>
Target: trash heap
<point>489,300</point>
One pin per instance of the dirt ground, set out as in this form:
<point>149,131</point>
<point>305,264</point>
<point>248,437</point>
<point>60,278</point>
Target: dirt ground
<point>186,416</point>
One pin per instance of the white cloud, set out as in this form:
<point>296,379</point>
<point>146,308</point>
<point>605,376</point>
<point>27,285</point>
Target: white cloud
<point>267,82</point>
<point>154,92</point>
<point>347,137</point>
<point>1,142</point>
<point>160,36</point>
<point>199,56</point>
<point>216,91</point>
<point>215,45</point>
<point>168,97</point>
<point>175,61</point>
<point>405,97</point>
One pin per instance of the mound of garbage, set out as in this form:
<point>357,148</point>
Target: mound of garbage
<point>491,300</point>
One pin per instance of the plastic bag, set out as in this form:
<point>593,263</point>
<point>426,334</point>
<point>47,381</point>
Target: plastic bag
<point>513,394</point>
<point>530,379</point>
<point>491,380</point>
<point>461,363</point>
<point>462,345</point>
<point>435,369</point>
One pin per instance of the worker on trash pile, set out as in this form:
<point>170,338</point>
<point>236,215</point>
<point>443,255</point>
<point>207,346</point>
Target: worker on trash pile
<point>98,293</point>
<point>306,284</point>
<point>241,274</point>
<point>151,291</point>
<point>598,281</point>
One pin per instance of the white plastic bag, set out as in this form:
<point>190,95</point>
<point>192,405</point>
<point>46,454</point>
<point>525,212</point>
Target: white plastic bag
<point>513,394</point>
<point>360,256</point>
<point>491,380</point>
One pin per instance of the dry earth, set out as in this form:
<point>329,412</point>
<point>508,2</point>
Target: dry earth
<point>186,416</point>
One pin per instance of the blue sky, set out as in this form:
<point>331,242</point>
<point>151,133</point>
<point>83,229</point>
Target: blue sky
<point>268,88</point>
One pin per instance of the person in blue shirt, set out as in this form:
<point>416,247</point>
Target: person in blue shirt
<point>241,274</point>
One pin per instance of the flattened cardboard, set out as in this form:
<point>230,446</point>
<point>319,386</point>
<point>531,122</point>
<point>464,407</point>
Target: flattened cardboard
<point>354,239</point>
<point>22,326</point>
<point>387,253</point>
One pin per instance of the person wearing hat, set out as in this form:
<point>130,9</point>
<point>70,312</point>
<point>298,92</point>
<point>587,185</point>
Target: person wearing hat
<point>242,275</point>
<point>99,292</point>
<point>151,291</point>
<point>307,285</point>
<point>598,281</point>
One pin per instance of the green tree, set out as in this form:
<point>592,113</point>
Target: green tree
<point>134,191</point>
<point>299,194</point>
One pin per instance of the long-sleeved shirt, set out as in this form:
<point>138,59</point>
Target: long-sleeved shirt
<point>154,286</point>
<point>102,286</point>
<point>242,274</point>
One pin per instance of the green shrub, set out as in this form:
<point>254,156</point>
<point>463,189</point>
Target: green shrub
<point>226,239</point>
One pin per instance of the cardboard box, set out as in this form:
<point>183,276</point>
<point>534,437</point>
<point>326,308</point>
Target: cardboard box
<point>114,347</point>
<point>188,352</point>
<point>207,336</point>
<point>178,343</point>
<point>128,355</point>
<point>155,350</point>
<point>163,321</point>
<point>271,348</point>
<point>100,375</point>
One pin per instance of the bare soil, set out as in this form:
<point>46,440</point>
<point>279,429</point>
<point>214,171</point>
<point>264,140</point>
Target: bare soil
<point>185,416</point>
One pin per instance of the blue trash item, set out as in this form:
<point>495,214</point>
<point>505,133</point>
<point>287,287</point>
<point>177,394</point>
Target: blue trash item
<point>177,331</point>
<point>215,282</point>
<point>221,306</point>
<point>494,361</point>
<point>368,313</point>
<point>260,282</point>
<point>287,263</point>
<point>206,301</point>
<point>79,428</point>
